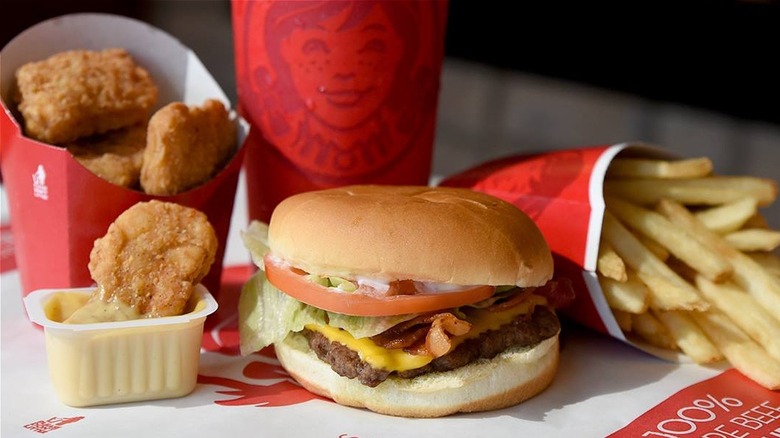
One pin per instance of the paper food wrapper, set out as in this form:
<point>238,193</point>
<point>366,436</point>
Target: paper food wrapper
<point>562,191</point>
<point>59,207</point>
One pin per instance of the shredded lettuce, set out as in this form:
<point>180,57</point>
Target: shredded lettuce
<point>267,315</point>
<point>335,282</point>
<point>366,326</point>
<point>255,239</point>
<point>501,293</point>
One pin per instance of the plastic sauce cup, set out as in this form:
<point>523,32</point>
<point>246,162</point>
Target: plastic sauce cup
<point>116,362</point>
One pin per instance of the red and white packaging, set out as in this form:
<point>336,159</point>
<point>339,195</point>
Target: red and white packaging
<point>562,191</point>
<point>725,406</point>
<point>59,207</point>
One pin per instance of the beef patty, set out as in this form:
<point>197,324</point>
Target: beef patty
<point>524,330</point>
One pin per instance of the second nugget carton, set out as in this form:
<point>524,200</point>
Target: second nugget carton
<point>58,206</point>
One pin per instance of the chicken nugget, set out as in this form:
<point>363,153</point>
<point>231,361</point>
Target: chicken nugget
<point>80,93</point>
<point>152,257</point>
<point>115,156</point>
<point>185,146</point>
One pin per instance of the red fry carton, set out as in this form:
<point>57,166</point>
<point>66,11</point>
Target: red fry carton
<point>562,191</point>
<point>58,206</point>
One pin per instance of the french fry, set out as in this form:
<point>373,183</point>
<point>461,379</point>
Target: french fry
<point>745,312</point>
<point>683,270</point>
<point>756,221</point>
<point>668,291</point>
<point>742,352</point>
<point>672,237</point>
<point>647,168</point>
<point>769,261</point>
<point>654,247</point>
<point>670,294</point>
<point>674,225</point>
<point>649,328</point>
<point>629,296</point>
<point>728,217</point>
<point>609,264</point>
<point>623,320</point>
<point>689,337</point>
<point>713,190</point>
<point>747,273</point>
<point>754,239</point>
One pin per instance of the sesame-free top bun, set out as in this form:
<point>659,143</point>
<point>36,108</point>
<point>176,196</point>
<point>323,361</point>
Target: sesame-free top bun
<point>510,378</point>
<point>437,234</point>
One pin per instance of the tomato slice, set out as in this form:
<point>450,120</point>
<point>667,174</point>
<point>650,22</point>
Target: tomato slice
<point>297,286</point>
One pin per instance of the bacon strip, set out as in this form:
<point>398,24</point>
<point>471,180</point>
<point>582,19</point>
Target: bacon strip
<point>435,328</point>
<point>438,341</point>
<point>512,301</point>
<point>432,334</point>
<point>559,292</point>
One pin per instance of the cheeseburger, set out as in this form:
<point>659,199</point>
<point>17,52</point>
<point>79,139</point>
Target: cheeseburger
<point>409,301</point>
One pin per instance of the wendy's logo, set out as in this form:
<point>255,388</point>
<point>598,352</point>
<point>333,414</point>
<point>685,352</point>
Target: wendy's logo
<point>341,88</point>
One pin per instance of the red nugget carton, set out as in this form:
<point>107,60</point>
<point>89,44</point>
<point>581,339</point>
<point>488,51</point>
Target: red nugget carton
<point>58,206</point>
<point>562,192</point>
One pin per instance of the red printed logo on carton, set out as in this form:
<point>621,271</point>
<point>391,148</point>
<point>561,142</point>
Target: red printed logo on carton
<point>726,406</point>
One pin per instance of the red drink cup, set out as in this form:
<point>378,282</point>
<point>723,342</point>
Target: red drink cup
<point>337,92</point>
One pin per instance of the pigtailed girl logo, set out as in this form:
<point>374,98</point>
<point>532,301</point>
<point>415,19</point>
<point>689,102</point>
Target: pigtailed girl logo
<point>342,88</point>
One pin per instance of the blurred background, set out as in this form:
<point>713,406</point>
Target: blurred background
<point>699,78</point>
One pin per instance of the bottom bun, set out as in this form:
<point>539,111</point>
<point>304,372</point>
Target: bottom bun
<point>513,376</point>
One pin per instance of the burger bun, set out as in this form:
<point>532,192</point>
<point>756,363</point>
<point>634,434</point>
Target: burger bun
<point>434,234</point>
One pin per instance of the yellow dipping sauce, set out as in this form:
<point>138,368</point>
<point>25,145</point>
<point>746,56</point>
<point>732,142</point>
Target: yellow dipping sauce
<point>76,308</point>
<point>103,311</point>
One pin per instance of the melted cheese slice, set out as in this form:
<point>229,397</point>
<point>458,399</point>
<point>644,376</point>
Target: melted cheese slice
<point>397,359</point>
<point>394,359</point>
